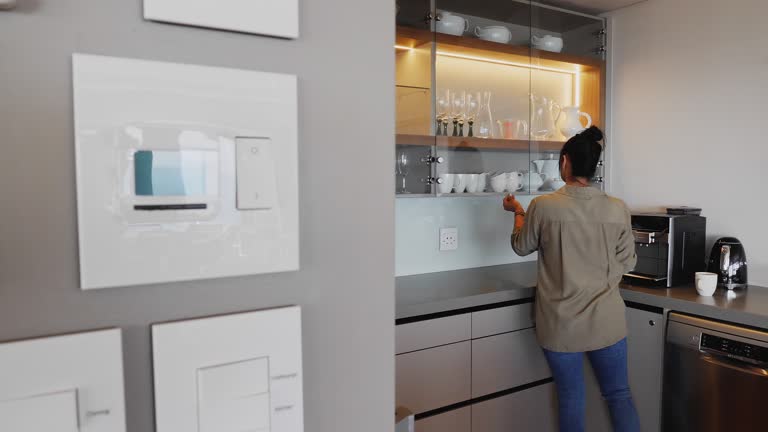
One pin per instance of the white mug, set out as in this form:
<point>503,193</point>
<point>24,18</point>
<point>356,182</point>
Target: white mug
<point>498,34</point>
<point>499,183</point>
<point>473,182</point>
<point>452,24</point>
<point>449,180</point>
<point>706,283</point>
<point>514,181</point>
<point>461,183</point>
<point>482,182</point>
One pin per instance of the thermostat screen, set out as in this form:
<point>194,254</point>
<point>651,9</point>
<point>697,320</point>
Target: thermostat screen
<point>175,173</point>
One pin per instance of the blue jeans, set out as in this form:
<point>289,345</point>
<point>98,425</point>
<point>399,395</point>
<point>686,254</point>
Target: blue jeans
<point>610,366</point>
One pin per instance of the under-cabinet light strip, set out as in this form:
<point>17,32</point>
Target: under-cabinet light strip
<point>506,63</point>
<point>403,48</point>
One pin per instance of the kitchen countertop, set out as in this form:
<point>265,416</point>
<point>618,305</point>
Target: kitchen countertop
<point>462,289</point>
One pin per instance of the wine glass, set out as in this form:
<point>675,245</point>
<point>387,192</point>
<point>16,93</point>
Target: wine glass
<point>458,104</point>
<point>402,171</point>
<point>443,107</point>
<point>473,109</point>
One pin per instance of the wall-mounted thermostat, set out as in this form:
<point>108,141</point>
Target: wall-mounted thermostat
<point>71,383</point>
<point>230,373</point>
<point>266,17</point>
<point>183,172</point>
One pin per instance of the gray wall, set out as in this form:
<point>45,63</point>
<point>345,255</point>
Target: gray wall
<point>344,59</point>
<point>689,114</point>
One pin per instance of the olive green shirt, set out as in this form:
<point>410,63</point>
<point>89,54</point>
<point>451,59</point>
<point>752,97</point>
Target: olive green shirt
<point>585,244</point>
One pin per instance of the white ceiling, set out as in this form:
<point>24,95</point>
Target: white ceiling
<point>592,6</point>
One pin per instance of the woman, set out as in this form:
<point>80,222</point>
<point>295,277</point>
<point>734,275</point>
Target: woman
<point>585,244</point>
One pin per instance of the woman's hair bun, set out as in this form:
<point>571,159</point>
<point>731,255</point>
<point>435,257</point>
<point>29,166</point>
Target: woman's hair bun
<point>593,133</point>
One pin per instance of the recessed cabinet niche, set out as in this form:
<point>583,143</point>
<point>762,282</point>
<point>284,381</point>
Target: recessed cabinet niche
<point>488,92</point>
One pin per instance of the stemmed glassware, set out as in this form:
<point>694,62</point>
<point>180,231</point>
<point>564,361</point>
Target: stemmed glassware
<point>401,168</point>
<point>443,108</point>
<point>473,109</point>
<point>484,118</point>
<point>458,106</point>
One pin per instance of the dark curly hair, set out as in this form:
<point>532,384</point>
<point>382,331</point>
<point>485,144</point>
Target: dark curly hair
<point>584,151</point>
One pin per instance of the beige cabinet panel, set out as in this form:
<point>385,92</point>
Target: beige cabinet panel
<point>434,378</point>
<point>505,361</point>
<point>532,410</point>
<point>502,320</point>
<point>432,333</point>
<point>459,420</point>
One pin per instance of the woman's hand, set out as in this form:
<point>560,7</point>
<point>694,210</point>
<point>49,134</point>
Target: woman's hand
<point>513,205</point>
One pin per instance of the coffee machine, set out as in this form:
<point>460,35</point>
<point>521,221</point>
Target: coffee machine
<point>670,249</point>
<point>729,261</point>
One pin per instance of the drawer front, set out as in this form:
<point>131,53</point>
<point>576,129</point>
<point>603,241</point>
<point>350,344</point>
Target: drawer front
<point>459,420</point>
<point>432,333</point>
<point>434,378</point>
<point>505,361</point>
<point>502,320</point>
<point>532,410</point>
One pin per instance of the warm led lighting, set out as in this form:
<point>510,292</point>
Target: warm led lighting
<point>403,48</point>
<point>506,63</point>
<point>577,89</point>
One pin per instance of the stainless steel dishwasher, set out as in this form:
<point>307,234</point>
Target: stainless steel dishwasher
<point>715,377</point>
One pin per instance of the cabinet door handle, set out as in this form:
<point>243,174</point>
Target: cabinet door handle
<point>651,323</point>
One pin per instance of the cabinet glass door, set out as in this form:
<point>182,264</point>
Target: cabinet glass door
<point>567,87</point>
<point>415,139</point>
<point>482,81</point>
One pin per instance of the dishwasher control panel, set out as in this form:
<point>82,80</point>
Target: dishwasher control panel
<point>743,351</point>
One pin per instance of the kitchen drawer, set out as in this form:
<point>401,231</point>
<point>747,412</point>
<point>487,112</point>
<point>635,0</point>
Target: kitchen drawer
<point>502,320</point>
<point>434,378</point>
<point>532,410</point>
<point>505,361</point>
<point>432,333</point>
<point>459,420</point>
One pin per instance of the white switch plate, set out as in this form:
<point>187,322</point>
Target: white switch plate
<point>256,189</point>
<point>197,363</point>
<point>126,106</point>
<point>41,413</point>
<point>449,239</point>
<point>268,17</point>
<point>64,383</point>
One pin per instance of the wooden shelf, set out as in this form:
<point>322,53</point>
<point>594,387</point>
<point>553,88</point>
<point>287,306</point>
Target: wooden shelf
<point>471,46</point>
<point>458,143</point>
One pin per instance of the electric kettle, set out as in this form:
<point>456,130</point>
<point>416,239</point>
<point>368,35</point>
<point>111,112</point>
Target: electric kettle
<point>729,261</point>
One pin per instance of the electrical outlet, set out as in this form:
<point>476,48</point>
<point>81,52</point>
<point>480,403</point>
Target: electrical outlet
<point>449,239</point>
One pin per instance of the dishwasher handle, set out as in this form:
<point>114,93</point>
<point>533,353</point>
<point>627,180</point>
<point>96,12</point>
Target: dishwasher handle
<point>731,364</point>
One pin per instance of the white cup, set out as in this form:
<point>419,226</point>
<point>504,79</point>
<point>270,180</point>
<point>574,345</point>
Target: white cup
<point>499,183</point>
<point>449,180</point>
<point>461,183</point>
<point>482,182</point>
<point>472,183</point>
<point>514,181</point>
<point>706,283</point>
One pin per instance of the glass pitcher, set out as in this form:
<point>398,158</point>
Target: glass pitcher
<point>484,123</point>
<point>543,117</point>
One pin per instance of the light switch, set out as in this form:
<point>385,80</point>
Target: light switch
<point>41,413</point>
<point>256,186</point>
<point>234,397</point>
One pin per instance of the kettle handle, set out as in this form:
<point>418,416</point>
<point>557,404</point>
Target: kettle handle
<point>589,119</point>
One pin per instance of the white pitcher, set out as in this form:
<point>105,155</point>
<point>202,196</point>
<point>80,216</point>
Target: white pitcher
<point>572,123</point>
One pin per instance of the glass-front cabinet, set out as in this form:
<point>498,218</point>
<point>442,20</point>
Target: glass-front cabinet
<point>488,92</point>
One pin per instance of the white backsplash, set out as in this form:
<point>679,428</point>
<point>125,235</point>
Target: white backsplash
<point>484,234</point>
